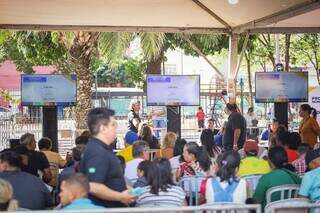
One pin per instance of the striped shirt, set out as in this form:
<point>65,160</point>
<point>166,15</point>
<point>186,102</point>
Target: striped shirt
<point>175,196</point>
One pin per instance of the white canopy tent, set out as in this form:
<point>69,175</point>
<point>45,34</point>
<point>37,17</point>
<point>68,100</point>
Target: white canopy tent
<point>187,16</point>
<point>196,16</point>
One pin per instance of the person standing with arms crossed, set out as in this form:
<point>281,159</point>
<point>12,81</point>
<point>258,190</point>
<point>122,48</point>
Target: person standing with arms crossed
<point>235,131</point>
<point>100,164</point>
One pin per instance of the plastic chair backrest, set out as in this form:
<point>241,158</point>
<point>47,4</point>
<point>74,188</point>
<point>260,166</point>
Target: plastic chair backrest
<point>287,191</point>
<point>271,207</point>
<point>191,185</point>
<point>252,182</point>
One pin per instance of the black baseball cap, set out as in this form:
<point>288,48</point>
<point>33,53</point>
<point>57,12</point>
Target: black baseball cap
<point>312,155</point>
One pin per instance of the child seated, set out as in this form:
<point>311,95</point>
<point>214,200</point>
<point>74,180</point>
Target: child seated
<point>142,171</point>
<point>226,186</point>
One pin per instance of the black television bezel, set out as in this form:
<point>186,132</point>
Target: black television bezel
<point>55,104</point>
<point>287,101</point>
<point>169,76</point>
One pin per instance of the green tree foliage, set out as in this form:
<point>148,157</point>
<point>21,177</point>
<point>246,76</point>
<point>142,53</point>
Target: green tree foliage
<point>136,70</point>
<point>208,44</point>
<point>263,52</point>
<point>306,49</point>
<point>123,75</point>
<point>28,49</point>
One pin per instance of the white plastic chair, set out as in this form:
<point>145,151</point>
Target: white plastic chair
<point>252,182</point>
<point>276,205</point>
<point>191,185</point>
<point>287,191</point>
<point>226,211</point>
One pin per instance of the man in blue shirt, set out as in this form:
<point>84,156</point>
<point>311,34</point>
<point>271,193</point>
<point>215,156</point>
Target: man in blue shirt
<point>74,192</point>
<point>310,185</point>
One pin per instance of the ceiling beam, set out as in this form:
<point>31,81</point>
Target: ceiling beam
<point>191,30</point>
<point>284,30</point>
<point>205,8</point>
<point>279,16</point>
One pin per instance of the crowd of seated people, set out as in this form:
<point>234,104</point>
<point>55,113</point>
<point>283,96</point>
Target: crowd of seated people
<point>95,177</point>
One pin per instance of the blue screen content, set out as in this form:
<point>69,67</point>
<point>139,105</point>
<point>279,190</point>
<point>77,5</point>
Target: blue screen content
<point>47,90</point>
<point>272,87</point>
<point>170,90</point>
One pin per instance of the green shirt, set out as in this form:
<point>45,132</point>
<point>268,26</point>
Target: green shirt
<point>276,177</point>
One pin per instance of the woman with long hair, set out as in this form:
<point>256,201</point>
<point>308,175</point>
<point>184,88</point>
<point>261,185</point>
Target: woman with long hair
<point>167,147</point>
<point>7,203</point>
<point>309,128</point>
<point>145,134</point>
<point>197,161</point>
<point>226,186</point>
<point>161,191</point>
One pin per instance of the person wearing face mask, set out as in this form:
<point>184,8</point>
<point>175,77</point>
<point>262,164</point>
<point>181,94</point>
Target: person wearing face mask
<point>235,131</point>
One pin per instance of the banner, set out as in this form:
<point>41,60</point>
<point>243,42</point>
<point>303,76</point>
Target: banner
<point>314,99</point>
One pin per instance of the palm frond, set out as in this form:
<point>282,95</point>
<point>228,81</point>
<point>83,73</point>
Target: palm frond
<point>113,46</point>
<point>151,44</point>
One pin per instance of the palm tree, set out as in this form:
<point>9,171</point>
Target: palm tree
<point>74,52</point>
<point>111,46</point>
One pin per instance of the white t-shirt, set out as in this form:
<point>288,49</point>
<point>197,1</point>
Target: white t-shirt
<point>174,162</point>
<point>239,195</point>
<point>158,113</point>
<point>131,168</point>
<point>250,118</point>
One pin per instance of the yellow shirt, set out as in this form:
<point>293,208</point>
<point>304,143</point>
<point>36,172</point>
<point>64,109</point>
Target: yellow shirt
<point>56,162</point>
<point>253,166</point>
<point>309,131</point>
<point>126,153</point>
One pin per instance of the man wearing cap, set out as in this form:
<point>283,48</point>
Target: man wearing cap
<point>251,164</point>
<point>310,185</point>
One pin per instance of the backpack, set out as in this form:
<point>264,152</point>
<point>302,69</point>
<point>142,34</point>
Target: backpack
<point>223,195</point>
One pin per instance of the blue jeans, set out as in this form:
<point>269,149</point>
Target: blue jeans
<point>158,125</point>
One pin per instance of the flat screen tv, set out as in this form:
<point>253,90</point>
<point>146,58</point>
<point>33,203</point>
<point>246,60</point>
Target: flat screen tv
<point>275,87</point>
<point>173,90</point>
<point>48,90</point>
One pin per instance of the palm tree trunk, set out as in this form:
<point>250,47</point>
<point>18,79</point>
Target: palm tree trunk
<point>154,66</point>
<point>80,56</point>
